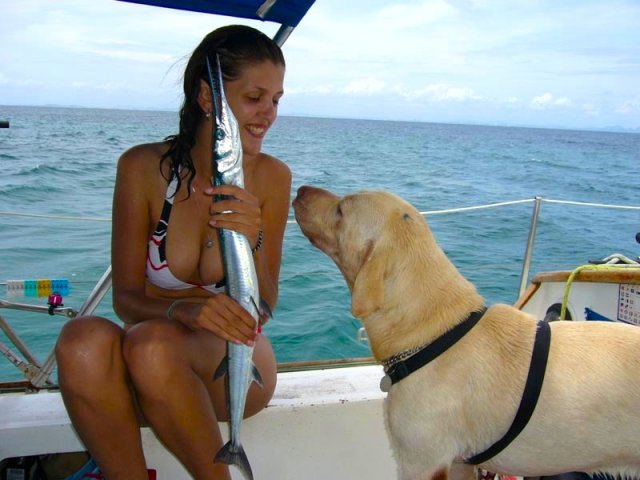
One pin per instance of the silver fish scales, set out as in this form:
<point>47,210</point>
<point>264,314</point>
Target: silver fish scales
<point>240,273</point>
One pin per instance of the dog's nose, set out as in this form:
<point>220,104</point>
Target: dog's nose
<point>302,191</point>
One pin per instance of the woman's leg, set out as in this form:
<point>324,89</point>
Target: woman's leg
<point>172,369</point>
<point>96,392</point>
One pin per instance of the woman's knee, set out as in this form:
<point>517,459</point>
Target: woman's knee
<point>85,346</point>
<point>84,339</point>
<point>152,348</point>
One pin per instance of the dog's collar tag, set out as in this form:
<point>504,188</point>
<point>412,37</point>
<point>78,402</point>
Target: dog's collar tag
<point>385,383</point>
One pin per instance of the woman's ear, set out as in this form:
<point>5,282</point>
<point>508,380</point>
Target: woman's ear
<point>204,97</point>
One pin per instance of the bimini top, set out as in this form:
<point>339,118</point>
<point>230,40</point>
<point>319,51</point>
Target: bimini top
<point>285,12</point>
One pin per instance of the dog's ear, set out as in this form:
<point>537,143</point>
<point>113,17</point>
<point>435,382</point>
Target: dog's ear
<point>368,287</point>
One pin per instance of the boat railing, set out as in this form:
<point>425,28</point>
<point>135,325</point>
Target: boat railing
<point>38,375</point>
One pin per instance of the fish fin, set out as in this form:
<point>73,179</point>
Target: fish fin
<point>255,376</point>
<point>234,455</point>
<point>222,369</point>
<point>255,305</point>
<point>266,309</point>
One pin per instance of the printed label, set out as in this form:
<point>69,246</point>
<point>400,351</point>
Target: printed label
<point>15,474</point>
<point>629,304</point>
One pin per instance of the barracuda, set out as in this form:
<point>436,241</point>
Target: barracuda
<point>240,272</point>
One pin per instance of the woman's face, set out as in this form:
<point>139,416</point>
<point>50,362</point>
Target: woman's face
<point>253,98</point>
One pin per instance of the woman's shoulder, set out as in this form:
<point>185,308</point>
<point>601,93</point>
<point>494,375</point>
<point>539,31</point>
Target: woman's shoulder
<point>274,167</point>
<point>145,151</point>
<point>142,157</point>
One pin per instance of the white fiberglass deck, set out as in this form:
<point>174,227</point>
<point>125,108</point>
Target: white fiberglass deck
<point>320,424</point>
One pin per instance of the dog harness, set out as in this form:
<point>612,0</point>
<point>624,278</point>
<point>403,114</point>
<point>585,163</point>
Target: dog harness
<point>405,363</point>
<point>530,395</point>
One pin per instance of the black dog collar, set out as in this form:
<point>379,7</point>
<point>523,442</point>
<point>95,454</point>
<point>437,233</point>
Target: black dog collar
<point>401,366</point>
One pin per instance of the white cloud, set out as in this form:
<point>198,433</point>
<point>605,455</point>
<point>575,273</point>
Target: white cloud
<point>590,109</point>
<point>542,101</point>
<point>406,15</point>
<point>322,89</point>
<point>629,107</point>
<point>485,57</point>
<point>146,57</point>
<point>442,92</point>
<point>547,100</point>
<point>365,86</point>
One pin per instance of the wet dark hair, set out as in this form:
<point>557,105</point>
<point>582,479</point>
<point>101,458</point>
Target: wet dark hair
<point>238,47</point>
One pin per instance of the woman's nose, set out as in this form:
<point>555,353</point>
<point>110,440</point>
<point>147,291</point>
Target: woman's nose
<point>269,110</point>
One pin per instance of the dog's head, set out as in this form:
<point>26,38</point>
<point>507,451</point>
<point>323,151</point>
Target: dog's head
<point>371,235</point>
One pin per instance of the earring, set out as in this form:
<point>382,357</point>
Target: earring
<point>207,114</point>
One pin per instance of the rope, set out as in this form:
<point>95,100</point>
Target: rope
<point>55,217</point>
<point>427,212</point>
<point>586,204</point>
<point>581,268</point>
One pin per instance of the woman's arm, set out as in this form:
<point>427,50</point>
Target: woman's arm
<point>136,174</point>
<point>263,205</point>
<point>275,212</point>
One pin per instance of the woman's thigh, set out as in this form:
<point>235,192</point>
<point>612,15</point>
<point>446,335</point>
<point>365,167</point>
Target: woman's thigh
<point>169,347</point>
<point>207,354</point>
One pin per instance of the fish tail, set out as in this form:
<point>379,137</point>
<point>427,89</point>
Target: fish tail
<point>234,455</point>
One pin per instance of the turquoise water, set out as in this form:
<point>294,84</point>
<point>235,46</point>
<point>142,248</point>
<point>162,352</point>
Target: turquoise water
<point>60,162</point>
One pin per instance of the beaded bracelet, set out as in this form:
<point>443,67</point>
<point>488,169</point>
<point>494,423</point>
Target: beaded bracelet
<point>259,244</point>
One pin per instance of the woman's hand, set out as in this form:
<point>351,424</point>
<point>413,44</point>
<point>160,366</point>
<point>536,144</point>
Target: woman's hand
<point>220,315</point>
<point>239,211</point>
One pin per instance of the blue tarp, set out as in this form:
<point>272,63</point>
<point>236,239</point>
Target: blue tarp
<point>593,315</point>
<point>284,12</point>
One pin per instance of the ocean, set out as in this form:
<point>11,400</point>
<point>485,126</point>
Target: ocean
<point>58,169</point>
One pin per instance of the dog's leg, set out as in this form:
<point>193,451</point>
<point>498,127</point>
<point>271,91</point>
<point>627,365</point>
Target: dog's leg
<point>409,473</point>
<point>462,471</point>
<point>457,471</point>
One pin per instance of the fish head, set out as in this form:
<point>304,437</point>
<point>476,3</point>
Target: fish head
<point>227,145</point>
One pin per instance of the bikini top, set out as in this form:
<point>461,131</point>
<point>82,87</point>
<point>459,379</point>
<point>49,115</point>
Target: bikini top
<point>157,268</point>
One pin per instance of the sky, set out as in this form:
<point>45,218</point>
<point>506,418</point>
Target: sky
<point>541,63</point>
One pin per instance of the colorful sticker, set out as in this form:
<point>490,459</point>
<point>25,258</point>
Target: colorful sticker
<point>629,304</point>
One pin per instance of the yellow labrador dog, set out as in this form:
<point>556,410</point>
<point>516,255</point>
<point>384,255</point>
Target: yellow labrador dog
<point>407,294</point>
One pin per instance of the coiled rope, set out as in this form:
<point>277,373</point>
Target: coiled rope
<point>607,266</point>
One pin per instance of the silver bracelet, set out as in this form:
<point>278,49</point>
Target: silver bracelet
<point>172,308</point>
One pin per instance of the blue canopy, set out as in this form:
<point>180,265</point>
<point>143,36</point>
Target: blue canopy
<point>285,12</point>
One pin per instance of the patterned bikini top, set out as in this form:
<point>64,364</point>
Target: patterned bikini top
<point>157,269</point>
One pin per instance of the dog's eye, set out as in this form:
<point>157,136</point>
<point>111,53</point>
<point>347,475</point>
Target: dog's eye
<point>338,210</point>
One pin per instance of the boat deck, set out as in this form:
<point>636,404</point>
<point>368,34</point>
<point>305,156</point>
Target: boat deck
<point>327,423</point>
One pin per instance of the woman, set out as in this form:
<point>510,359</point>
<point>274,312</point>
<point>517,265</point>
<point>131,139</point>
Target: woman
<point>164,249</point>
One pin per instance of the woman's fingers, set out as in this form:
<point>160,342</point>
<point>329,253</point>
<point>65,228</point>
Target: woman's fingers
<point>232,191</point>
<point>239,211</point>
<point>226,318</point>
